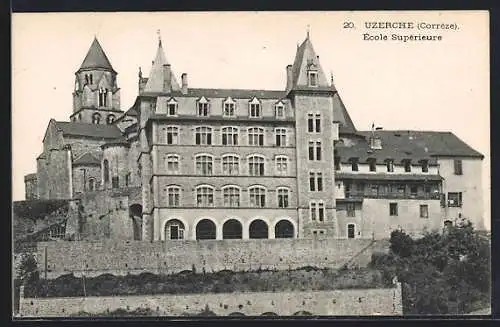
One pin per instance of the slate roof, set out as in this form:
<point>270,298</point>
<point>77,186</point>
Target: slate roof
<point>86,159</point>
<point>89,130</point>
<point>156,79</point>
<point>131,112</point>
<point>346,126</point>
<point>30,177</point>
<point>387,176</point>
<point>96,58</point>
<point>414,145</point>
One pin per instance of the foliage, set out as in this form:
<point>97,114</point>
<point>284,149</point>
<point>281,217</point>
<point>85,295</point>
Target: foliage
<point>189,282</point>
<point>442,273</point>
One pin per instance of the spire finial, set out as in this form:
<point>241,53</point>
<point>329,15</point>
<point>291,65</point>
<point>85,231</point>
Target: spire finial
<point>308,29</point>
<point>140,72</point>
<point>159,37</point>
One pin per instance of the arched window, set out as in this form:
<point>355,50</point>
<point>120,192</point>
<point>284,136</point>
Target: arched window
<point>256,136</point>
<point>172,163</point>
<point>206,230</point>
<point>79,117</point>
<point>172,135</point>
<point>106,170</point>
<point>284,229</point>
<point>204,164</point>
<point>174,230</point>
<point>110,119</point>
<point>256,165</point>
<point>283,193</point>
<point>229,136</point>
<point>103,96</point>
<point>258,229</point>
<point>230,164</point>
<point>281,165</point>
<point>231,196</point>
<point>91,184</point>
<point>173,196</point>
<point>205,196</point>
<point>351,231</point>
<point>232,229</point>
<point>203,135</point>
<point>96,118</point>
<point>257,196</point>
<point>91,79</point>
<point>86,79</point>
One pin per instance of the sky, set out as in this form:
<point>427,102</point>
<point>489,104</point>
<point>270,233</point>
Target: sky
<point>441,85</point>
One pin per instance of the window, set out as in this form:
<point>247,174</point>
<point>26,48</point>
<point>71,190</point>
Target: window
<point>172,135</point>
<point>231,196</point>
<point>256,136</point>
<point>110,119</point>
<point>351,209</point>
<point>172,107</point>
<point>255,111</point>
<point>424,211</point>
<point>91,184</point>
<point>281,165</point>
<point>314,123</point>
<point>407,164</point>
<point>390,166</point>
<point>372,164</point>
<point>173,196</point>
<point>204,196</point>
<point>91,79</point>
<point>230,165</point>
<point>317,210</point>
<point>425,166</point>
<point>203,135</point>
<point>229,108</point>
<point>413,190</point>
<point>172,163</point>
<point>279,110</point>
<point>454,199</point>
<point>283,198</point>
<point>313,79</point>
<point>256,166</point>
<point>229,136</point>
<point>203,108</point>
<point>106,170</point>
<point>393,209</point>
<point>115,182</point>
<point>457,165</point>
<point>257,196</point>
<point>174,230</point>
<point>127,179</point>
<point>103,97</point>
<point>204,164</point>
<point>354,164</point>
<point>280,136</point>
<point>315,150</point>
<point>315,181</point>
<point>96,118</point>
<point>401,189</point>
<point>351,231</point>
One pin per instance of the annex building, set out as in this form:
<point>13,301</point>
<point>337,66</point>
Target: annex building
<point>204,163</point>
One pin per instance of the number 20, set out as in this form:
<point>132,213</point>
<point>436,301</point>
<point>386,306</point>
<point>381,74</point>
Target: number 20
<point>348,25</point>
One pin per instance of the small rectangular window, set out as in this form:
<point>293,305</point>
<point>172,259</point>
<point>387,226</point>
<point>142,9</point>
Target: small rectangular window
<point>354,165</point>
<point>424,211</point>
<point>313,79</point>
<point>407,164</point>
<point>172,109</point>
<point>454,199</point>
<point>457,165</point>
<point>425,166</point>
<point>115,182</point>
<point>351,210</point>
<point>393,209</point>
<point>390,166</point>
<point>373,165</point>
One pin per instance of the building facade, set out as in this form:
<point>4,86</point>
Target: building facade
<point>249,164</point>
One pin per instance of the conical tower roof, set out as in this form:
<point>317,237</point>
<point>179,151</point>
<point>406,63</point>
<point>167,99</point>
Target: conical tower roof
<point>156,77</point>
<point>96,58</point>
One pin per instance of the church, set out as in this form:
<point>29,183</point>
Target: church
<point>203,163</point>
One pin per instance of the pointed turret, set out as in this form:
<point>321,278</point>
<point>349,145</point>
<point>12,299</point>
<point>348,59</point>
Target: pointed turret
<point>96,58</point>
<point>306,69</point>
<point>161,79</point>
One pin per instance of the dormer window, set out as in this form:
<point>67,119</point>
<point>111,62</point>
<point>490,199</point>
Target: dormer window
<point>407,164</point>
<point>425,166</point>
<point>390,165</point>
<point>255,110</point>
<point>172,107</point>
<point>354,164</point>
<point>313,78</point>
<point>229,108</point>
<point>279,110</point>
<point>372,164</point>
<point>203,107</point>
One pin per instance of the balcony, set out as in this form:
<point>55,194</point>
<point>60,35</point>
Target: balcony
<point>394,195</point>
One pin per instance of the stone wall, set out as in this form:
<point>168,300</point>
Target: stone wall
<point>354,302</point>
<point>122,257</point>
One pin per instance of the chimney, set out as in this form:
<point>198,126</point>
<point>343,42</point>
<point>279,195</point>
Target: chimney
<point>167,78</point>
<point>184,80</point>
<point>289,78</point>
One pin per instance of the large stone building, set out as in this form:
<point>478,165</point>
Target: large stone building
<point>201,163</point>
